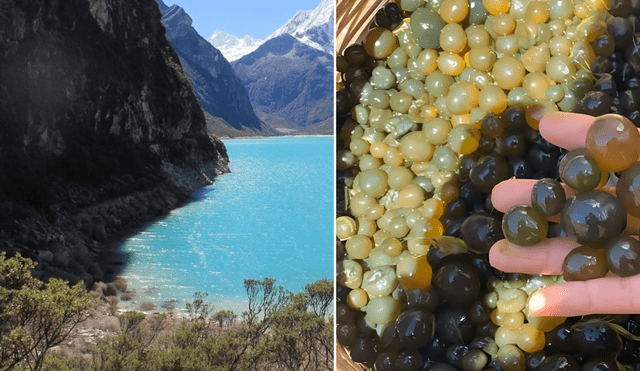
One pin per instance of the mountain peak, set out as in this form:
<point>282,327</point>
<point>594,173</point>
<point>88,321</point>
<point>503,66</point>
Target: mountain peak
<point>233,47</point>
<point>176,15</point>
<point>162,5</point>
<point>311,27</point>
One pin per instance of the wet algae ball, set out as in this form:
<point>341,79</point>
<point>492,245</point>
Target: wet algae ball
<point>593,217</point>
<point>524,226</point>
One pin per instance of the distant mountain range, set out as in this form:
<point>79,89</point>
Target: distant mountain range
<point>220,92</point>
<point>312,27</point>
<point>287,77</point>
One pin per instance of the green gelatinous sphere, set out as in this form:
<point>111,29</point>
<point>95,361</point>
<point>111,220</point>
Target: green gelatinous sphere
<point>580,171</point>
<point>524,226</point>
<point>623,256</point>
<point>426,26</point>
<point>628,189</point>
<point>548,197</point>
<point>593,217</point>
<point>584,263</point>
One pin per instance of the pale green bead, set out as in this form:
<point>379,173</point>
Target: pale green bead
<point>382,78</point>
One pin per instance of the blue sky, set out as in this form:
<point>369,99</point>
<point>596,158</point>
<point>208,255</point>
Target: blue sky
<point>256,18</point>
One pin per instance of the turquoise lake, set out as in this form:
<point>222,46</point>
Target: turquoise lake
<point>272,216</point>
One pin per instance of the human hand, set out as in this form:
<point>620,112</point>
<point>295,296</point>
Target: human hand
<point>610,294</point>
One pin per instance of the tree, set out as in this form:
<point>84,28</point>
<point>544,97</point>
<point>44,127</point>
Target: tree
<point>320,295</point>
<point>225,318</point>
<point>34,316</point>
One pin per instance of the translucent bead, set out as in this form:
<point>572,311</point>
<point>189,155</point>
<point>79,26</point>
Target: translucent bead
<point>560,68</point>
<point>453,38</point>
<point>358,247</point>
<point>378,149</point>
<point>560,45</point>
<point>496,6</point>
<point>511,358</point>
<point>503,24</point>
<point>450,63</point>
<point>584,263</point>
<point>368,162</point>
<point>530,338</point>
<point>462,139</point>
<point>554,93</point>
<point>507,45</point>
<point>493,99</point>
<point>397,59</point>
<point>357,298</point>
<point>437,130</point>
<point>345,227</point>
<point>536,85</point>
<point>613,141</point>
<point>628,189</point>
<point>414,272</point>
<point>380,42</point>
<point>411,196</point>
<point>579,170</point>
<point>462,97</point>
<point>427,61</point>
<point>437,83</point>
<point>482,58</point>
<point>561,9</point>
<point>393,157</point>
<point>524,226</point>
<point>373,182</point>
<point>477,36</point>
<point>454,11</point>
<point>508,72</point>
<point>536,58</point>
<point>537,11</point>
<point>426,26</point>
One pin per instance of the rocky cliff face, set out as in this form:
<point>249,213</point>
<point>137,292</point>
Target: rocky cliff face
<point>290,79</point>
<point>218,89</point>
<point>99,129</point>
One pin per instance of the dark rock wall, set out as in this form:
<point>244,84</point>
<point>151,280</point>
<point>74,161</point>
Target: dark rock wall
<point>99,129</point>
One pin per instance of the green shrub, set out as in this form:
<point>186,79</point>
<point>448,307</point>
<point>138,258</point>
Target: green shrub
<point>35,316</point>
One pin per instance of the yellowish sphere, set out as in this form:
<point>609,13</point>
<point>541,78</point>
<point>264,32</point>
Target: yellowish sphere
<point>454,11</point>
<point>380,43</point>
<point>508,72</point>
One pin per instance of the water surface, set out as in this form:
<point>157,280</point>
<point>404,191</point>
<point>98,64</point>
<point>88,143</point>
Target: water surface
<point>272,216</point>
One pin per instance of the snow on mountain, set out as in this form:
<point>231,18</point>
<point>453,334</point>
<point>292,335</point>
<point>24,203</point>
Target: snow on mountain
<point>233,47</point>
<point>312,27</point>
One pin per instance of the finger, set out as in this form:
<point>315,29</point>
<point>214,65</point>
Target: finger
<point>566,130</point>
<point>615,295</point>
<point>545,258</point>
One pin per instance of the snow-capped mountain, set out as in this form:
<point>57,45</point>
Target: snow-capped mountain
<point>311,27</point>
<point>233,47</point>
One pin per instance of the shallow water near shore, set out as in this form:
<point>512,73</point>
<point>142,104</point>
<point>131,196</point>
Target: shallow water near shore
<point>272,216</point>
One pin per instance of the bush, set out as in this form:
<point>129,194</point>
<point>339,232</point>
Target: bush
<point>147,306</point>
<point>35,317</point>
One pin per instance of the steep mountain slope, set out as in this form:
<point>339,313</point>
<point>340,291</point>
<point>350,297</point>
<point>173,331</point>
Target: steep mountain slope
<point>100,130</point>
<point>218,89</point>
<point>290,79</point>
